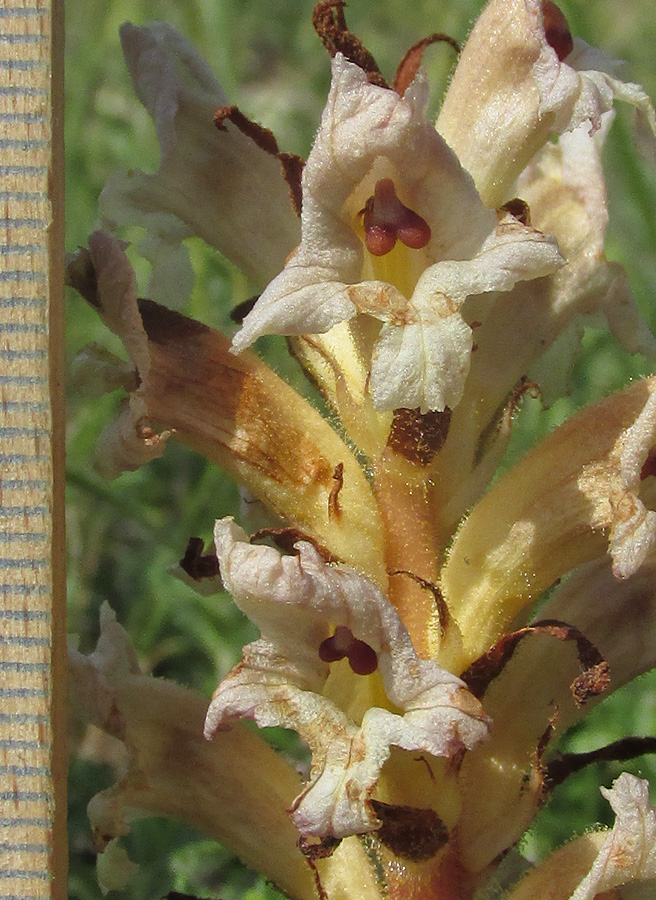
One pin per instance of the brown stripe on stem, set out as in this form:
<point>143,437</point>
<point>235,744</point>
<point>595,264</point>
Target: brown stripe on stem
<point>407,505</point>
<point>237,413</point>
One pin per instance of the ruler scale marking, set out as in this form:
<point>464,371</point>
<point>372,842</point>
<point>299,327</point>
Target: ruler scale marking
<point>32,860</point>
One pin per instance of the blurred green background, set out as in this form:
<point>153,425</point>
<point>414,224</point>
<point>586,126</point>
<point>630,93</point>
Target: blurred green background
<point>124,535</point>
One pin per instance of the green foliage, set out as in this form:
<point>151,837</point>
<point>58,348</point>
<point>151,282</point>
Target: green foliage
<point>123,536</point>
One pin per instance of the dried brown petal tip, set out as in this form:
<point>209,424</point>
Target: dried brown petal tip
<point>81,275</point>
<point>286,538</point>
<point>501,420</point>
<point>594,679</point>
<point>442,609</point>
<point>320,849</point>
<point>556,30</point>
<point>409,65</point>
<point>329,23</point>
<point>409,832</point>
<point>386,220</point>
<point>417,436</point>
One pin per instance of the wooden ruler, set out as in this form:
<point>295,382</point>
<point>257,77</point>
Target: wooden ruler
<point>32,675</point>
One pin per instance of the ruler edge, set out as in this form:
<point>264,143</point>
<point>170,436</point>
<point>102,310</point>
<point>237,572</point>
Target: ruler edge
<point>56,358</point>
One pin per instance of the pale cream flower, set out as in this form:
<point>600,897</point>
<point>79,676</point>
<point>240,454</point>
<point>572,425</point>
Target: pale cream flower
<point>310,614</point>
<point>627,854</point>
<point>378,166</point>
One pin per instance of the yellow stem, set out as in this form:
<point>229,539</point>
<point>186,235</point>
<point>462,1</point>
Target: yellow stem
<point>405,499</point>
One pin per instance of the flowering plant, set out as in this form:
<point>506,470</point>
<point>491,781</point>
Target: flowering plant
<point>421,273</point>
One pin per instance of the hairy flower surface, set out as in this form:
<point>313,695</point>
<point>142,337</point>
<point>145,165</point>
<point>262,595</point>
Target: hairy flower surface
<point>435,273</point>
<point>376,163</point>
<point>310,614</point>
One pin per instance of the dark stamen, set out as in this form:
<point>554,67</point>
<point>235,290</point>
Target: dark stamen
<point>562,767</point>
<point>649,466</point>
<point>386,220</point>
<point>239,312</point>
<point>334,508</point>
<point>362,658</point>
<point>556,30</point>
<point>519,209</point>
<point>342,645</point>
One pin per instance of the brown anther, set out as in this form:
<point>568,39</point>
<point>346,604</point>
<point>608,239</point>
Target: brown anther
<point>362,658</point>
<point>330,24</point>
<point>337,646</point>
<point>556,30</point>
<point>342,645</point>
<point>409,65</point>
<point>386,220</point>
